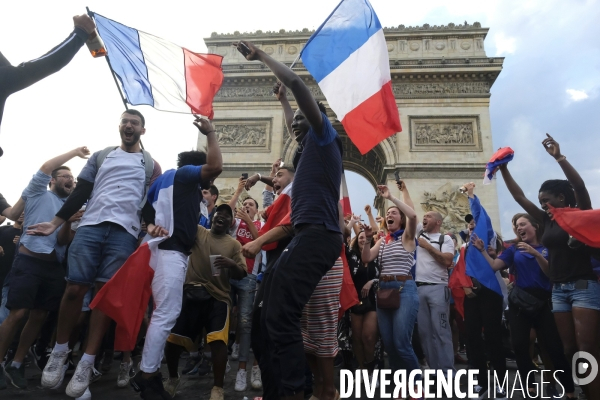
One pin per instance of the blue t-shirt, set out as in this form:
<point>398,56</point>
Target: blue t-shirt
<point>318,177</point>
<point>186,208</point>
<point>526,268</point>
<point>40,206</point>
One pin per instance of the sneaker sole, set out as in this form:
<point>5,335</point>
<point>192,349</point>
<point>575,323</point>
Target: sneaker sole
<point>7,376</point>
<point>69,391</point>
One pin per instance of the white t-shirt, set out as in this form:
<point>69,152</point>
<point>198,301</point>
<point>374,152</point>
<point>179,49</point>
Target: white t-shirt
<point>118,191</point>
<point>428,269</point>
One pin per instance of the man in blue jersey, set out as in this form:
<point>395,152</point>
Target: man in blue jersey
<point>318,240</point>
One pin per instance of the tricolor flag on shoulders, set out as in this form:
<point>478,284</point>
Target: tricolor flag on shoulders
<point>348,58</point>
<point>158,73</point>
<point>278,213</point>
<point>502,156</point>
<point>125,297</point>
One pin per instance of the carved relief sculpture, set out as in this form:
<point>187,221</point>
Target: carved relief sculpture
<point>252,135</point>
<point>449,202</point>
<point>445,133</point>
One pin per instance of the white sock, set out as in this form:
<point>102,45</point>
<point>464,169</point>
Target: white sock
<point>16,364</point>
<point>61,347</point>
<point>88,358</point>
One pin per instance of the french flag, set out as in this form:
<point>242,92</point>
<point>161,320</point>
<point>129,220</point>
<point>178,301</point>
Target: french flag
<point>503,156</point>
<point>345,197</point>
<point>278,213</point>
<point>158,73</point>
<point>125,296</point>
<point>348,58</point>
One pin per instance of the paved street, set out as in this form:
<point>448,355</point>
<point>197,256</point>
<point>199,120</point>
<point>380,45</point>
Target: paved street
<point>192,387</point>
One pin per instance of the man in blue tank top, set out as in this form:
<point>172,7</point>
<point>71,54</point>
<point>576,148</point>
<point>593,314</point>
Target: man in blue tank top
<point>317,241</point>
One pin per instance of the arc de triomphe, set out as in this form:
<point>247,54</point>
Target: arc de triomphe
<point>441,79</point>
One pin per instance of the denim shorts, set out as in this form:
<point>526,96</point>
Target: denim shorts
<point>97,252</point>
<point>565,296</point>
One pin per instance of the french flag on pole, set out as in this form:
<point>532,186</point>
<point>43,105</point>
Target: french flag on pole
<point>125,296</point>
<point>348,58</point>
<point>158,73</point>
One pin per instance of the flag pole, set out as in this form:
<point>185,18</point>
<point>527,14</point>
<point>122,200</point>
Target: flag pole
<point>123,99</point>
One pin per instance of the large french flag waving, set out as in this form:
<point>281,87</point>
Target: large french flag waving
<point>125,297</point>
<point>348,58</point>
<point>158,73</point>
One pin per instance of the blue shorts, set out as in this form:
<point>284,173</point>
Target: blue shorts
<point>565,296</point>
<point>97,252</point>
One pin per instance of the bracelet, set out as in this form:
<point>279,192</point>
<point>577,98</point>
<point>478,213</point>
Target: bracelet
<point>561,158</point>
<point>259,176</point>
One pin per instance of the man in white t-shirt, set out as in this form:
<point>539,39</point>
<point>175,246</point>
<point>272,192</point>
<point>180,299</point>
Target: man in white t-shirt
<point>116,187</point>
<point>434,256</point>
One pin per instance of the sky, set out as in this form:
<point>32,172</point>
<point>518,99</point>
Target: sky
<point>550,81</point>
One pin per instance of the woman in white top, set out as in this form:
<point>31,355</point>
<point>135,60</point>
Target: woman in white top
<point>396,258</point>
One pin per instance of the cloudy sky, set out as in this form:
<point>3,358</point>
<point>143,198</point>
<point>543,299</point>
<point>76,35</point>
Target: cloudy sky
<point>550,82</point>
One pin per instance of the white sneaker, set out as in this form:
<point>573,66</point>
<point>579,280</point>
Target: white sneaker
<point>62,377</point>
<point>235,352</point>
<point>80,380</point>
<point>255,378</point>
<point>171,385</point>
<point>123,377</point>
<point>87,395</point>
<point>53,371</point>
<point>240,381</point>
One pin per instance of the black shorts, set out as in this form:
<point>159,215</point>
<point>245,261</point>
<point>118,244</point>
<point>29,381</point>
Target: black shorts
<point>199,311</point>
<point>35,284</point>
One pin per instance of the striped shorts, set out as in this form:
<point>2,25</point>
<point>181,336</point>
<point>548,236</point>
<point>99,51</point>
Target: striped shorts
<point>320,315</point>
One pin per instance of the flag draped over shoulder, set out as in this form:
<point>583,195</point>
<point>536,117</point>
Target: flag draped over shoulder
<point>476,264</point>
<point>348,295</point>
<point>278,213</point>
<point>583,225</point>
<point>502,156</point>
<point>348,58</point>
<point>459,280</point>
<point>158,73</point>
<point>125,297</point>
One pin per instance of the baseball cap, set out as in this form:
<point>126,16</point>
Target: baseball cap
<point>225,207</point>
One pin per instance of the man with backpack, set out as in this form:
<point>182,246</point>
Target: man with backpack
<point>116,182</point>
<point>434,256</point>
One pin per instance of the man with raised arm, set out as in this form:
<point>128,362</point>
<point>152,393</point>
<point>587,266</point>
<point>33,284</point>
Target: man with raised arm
<point>37,276</point>
<point>116,181</point>
<point>13,79</point>
<point>315,220</point>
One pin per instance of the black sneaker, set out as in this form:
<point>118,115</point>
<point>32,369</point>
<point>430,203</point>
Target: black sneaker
<point>2,379</point>
<point>205,367</point>
<point>16,376</point>
<point>191,365</point>
<point>150,389</point>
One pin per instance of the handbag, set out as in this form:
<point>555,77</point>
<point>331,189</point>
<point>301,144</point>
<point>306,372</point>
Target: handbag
<point>388,299</point>
<point>362,307</point>
<point>526,302</point>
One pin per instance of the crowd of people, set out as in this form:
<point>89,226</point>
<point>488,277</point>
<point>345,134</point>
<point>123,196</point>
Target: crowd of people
<point>272,273</point>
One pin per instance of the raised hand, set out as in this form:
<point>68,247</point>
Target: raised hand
<point>243,215</point>
<point>280,92</point>
<point>469,188</point>
<point>203,125</point>
<point>552,146</point>
<point>275,166</point>
<point>384,191</point>
<point>253,180</point>
<point>477,242</point>
<point>82,152</point>
<point>368,209</point>
<point>84,22</point>
<point>247,49</point>
<point>368,232</point>
<point>241,185</point>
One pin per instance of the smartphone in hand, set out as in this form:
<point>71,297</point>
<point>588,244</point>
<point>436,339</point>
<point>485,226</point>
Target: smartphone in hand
<point>398,179</point>
<point>245,176</point>
<point>242,48</point>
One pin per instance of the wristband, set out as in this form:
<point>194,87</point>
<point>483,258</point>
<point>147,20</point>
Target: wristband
<point>259,176</point>
<point>561,158</point>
